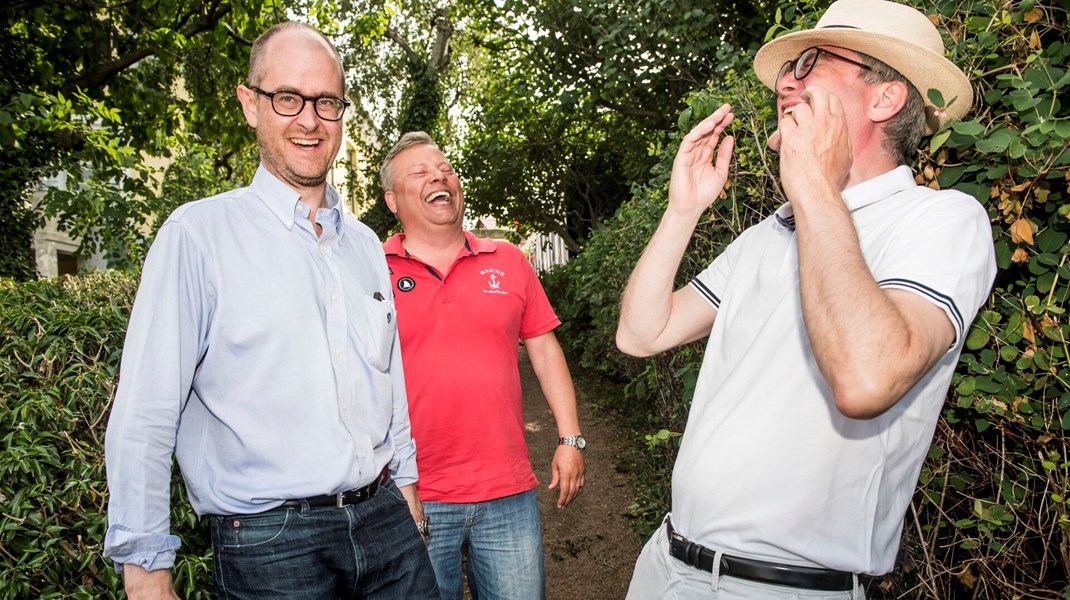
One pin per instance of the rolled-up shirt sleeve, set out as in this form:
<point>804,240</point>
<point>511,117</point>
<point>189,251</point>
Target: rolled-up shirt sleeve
<point>165,340</point>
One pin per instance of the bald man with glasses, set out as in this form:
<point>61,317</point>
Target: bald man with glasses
<point>262,353</point>
<point>834,326</point>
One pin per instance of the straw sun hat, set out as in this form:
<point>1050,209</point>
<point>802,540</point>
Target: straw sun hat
<point>895,34</point>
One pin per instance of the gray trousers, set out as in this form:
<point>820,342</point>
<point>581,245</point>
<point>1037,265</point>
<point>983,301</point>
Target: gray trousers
<point>659,576</point>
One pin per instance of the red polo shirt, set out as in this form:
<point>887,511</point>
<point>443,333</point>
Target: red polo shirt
<point>460,333</point>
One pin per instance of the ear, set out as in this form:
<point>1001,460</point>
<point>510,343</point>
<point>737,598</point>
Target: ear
<point>247,97</point>
<point>887,100</point>
<point>391,202</point>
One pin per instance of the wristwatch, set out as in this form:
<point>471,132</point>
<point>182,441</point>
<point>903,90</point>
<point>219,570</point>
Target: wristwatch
<point>576,441</point>
<point>424,526</point>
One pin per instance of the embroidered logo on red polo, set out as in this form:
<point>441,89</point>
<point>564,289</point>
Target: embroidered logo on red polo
<point>494,281</point>
<point>406,284</point>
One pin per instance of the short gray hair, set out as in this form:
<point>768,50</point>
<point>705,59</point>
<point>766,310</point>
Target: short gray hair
<point>903,132</point>
<point>412,138</point>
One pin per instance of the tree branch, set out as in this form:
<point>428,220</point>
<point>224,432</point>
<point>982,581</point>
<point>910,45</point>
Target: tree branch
<point>396,37</point>
<point>100,75</point>
<point>440,52</point>
<point>237,37</point>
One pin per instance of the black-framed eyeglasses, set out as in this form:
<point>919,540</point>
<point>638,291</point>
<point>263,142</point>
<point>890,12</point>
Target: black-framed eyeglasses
<point>806,62</point>
<point>289,104</point>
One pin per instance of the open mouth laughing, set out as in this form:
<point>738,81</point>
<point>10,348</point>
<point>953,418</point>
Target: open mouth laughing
<point>439,197</point>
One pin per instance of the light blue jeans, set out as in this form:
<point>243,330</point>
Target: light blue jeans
<point>504,539</point>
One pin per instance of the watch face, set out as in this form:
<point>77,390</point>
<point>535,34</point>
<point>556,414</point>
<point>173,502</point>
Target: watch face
<point>581,443</point>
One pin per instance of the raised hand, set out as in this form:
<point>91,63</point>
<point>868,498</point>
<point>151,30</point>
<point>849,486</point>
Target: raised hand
<point>700,169</point>
<point>815,147</point>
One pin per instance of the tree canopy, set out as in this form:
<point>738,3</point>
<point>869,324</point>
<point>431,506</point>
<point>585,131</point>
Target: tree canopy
<point>550,108</point>
<point>99,92</point>
<point>577,94</point>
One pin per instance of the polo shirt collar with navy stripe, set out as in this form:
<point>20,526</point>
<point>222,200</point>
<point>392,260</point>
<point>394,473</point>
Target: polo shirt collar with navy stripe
<point>861,195</point>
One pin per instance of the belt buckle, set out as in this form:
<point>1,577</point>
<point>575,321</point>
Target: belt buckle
<point>678,547</point>
<point>339,501</point>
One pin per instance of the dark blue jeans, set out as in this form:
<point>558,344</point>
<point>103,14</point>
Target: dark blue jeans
<point>368,550</point>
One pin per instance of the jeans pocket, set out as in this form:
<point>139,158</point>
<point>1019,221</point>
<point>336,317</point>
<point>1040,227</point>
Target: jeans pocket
<point>394,492</point>
<point>234,532</point>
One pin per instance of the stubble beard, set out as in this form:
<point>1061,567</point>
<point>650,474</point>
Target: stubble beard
<point>287,173</point>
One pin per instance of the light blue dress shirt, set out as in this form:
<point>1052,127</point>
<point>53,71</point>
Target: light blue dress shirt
<point>264,358</point>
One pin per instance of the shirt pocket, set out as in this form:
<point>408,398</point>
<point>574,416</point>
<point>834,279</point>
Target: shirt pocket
<point>375,326</point>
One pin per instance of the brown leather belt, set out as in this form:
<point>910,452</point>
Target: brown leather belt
<point>811,578</point>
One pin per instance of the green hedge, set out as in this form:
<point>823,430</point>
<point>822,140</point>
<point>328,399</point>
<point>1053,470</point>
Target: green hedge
<point>60,344</point>
<point>990,517</point>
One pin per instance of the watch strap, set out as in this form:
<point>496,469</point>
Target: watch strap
<point>576,441</point>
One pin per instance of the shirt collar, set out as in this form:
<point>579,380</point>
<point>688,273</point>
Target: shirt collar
<point>879,188</point>
<point>285,203</point>
<point>478,245</point>
<point>472,244</point>
<point>860,195</point>
<point>394,246</point>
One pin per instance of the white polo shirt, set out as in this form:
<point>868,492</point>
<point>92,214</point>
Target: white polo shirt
<point>769,468</point>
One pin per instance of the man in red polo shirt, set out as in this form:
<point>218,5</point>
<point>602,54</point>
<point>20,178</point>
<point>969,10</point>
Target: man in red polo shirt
<point>463,304</point>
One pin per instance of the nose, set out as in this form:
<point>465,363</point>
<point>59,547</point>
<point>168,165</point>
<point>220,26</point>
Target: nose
<point>787,82</point>
<point>308,117</point>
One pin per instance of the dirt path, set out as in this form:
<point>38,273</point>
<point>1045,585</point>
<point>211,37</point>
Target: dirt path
<point>590,546</point>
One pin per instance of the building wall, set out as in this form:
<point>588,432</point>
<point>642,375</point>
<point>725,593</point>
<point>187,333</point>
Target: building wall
<point>56,253</point>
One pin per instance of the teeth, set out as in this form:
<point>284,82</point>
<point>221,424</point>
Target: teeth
<point>301,142</point>
<point>436,196</point>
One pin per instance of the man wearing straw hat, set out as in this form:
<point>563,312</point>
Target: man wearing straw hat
<point>834,325</point>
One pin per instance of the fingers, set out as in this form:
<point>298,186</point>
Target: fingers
<point>567,471</point>
<point>817,105</point>
<point>813,141</point>
<point>569,491</point>
<point>697,148</point>
<point>720,117</point>
<point>819,100</point>
<point>774,141</point>
<point>724,154</point>
<point>715,124</point>
<point>708,130</point>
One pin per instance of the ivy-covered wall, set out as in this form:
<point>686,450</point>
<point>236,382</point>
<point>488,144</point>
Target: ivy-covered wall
<point>990,515</point>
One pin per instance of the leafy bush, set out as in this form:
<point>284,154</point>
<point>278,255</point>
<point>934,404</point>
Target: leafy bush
<point>991,505</point>
<point>990,517</point>
<point>60,344</point>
